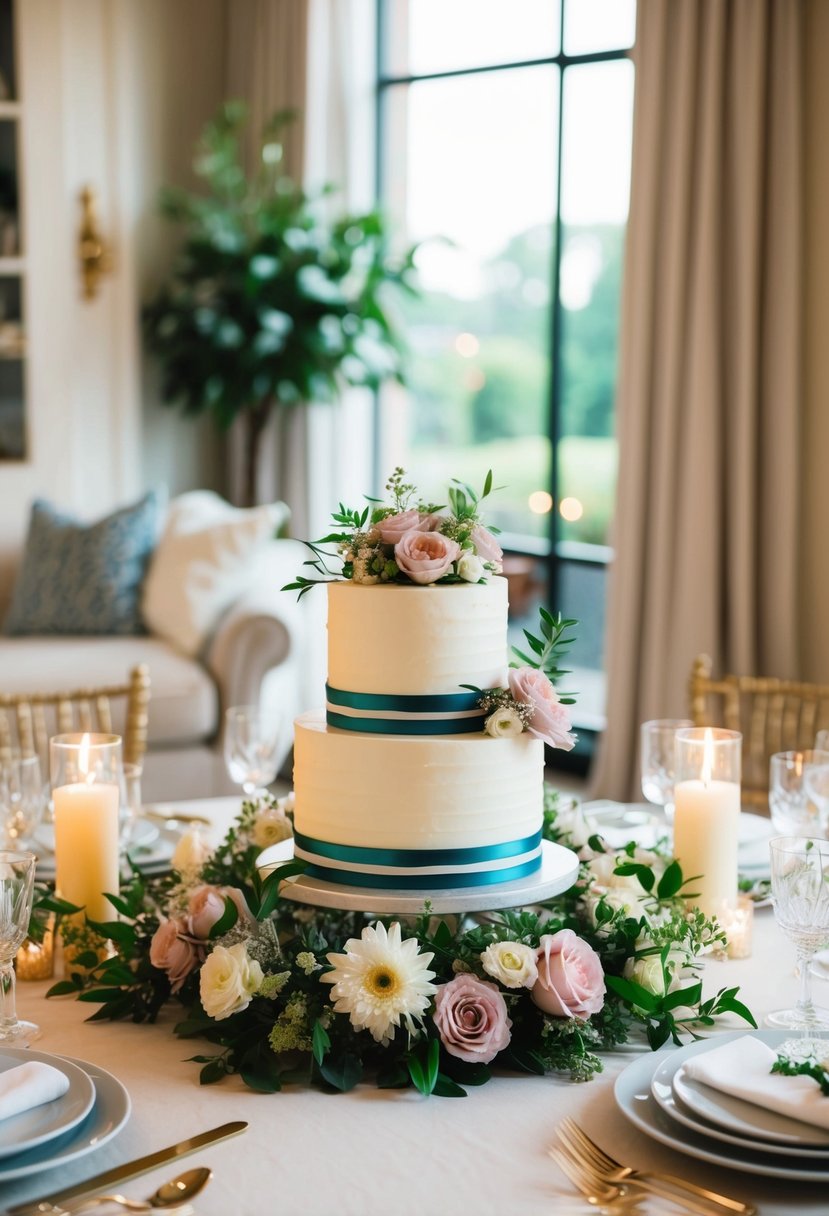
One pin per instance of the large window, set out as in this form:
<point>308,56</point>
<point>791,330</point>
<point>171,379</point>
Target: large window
<point>504,148</point>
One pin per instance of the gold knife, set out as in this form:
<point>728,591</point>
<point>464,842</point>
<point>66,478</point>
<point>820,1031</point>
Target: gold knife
<point>130,1169</point>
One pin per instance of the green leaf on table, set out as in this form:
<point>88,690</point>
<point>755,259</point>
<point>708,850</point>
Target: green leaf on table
<point>633,993</point>
<point>644,874</point>
<point>99,996</point>
<point>393,1076</point>
<point>445,1087</point>
<point>63,988</point>
<point>320,1042</point>
<point>114,930</point>
<point>670,882</point>
<point>342,1073</point>
<point>658,1033</point>
<point>523,1059</point>
<point>214,1071</point>
<point>423,1067</point>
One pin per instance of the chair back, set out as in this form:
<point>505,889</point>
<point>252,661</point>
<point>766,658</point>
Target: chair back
<point>772,715</point>
<point>28,720</point>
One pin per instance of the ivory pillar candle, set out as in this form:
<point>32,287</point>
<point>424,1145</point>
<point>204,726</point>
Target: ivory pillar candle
<point>86,795</point>
<point>707,815</point>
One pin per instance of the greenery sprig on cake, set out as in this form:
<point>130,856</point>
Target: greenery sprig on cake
<point>407,540</point>
<point>285,993</point>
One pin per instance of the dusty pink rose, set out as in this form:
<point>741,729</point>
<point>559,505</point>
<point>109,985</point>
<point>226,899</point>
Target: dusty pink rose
<point>393,527</point>
<point>173,952</point>
<point>424,557</point>
<point>471,1017</point>
<point>570,980</point>
<point>207,905</point>
<point>486,546</point>
<point>550,720</point>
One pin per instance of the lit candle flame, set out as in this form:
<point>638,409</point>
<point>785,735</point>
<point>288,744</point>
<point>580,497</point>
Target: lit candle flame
<point>708,756</point>
<point>83,759</point>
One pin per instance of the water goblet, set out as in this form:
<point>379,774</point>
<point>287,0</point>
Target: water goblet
<point>657,756</point>
<point>251,747</point>
<point>17,876</point>
<point>22,799</point>
<point>793,810</point>
<point>800,894</point>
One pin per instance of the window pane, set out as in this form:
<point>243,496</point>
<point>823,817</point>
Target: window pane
<point>444,35</point>
<point>598,25</point>
<point>598,109</point>
<point>473,159</point>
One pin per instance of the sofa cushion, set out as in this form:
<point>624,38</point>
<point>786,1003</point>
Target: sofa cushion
<point>79,578</point>
<point>184,702</point>
<point>204,561</point>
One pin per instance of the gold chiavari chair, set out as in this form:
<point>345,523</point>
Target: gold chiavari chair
<point>773,716</point>
<point>28,720</point>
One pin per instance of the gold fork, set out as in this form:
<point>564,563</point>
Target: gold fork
<point>634,1189</point>
<point>612,1171</point>
<point>602,1197</point>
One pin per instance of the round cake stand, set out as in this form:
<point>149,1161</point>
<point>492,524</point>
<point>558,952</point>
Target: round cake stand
<point>559,870</point>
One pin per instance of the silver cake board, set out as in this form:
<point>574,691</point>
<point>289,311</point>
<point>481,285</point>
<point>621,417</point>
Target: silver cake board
<point>559,870</point>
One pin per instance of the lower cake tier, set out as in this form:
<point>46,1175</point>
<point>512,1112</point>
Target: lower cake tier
<point>414,813</point>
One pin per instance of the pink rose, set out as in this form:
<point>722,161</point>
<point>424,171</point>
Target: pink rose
<point>172,951</point>
<point>471,1017</point>
<point>393,527</point>
<point>550,720</point>
<point>426,556</point>
<point>486,546</point>
<point>207,905</point>
<point>570,980</point>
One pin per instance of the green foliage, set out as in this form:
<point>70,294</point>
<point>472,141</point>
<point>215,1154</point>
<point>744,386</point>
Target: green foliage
<point>545,651</point>
<point>803,1068</point>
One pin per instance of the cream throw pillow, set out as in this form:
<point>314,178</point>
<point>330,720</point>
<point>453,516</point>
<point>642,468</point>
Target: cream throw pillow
<point>204,561</point>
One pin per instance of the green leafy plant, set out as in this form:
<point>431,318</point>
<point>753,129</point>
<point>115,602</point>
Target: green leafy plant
<point>271,304</point>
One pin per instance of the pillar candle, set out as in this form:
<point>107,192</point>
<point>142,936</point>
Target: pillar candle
<point>706,836</point>
<point>86,845</point>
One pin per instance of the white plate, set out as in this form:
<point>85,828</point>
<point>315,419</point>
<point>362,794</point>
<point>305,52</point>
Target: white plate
<point>108,1115</point>
<point>155,857</point>
<point>634,1099</point>
<point>667,1088</point>
<point>26,1131</point>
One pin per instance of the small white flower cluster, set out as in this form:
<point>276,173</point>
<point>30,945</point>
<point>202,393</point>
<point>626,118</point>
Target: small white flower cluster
<point>506,717</point>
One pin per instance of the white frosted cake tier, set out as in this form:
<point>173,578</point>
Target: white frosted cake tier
<point>416,812</point>
<point>418,641</point>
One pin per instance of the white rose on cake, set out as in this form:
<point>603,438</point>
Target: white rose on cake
<point>470,568</point>
<point>504,723</point>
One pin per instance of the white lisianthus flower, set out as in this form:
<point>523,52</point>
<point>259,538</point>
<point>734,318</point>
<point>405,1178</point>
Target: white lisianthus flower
<point>511,963</point>
<point>228,980</point>
<point>503,723</point>
<point>647,971</point>
<point>191,853</point>
<point>271,826</point>
<point>470,568</point>
<point>380,980</point>
<point>615,898</point>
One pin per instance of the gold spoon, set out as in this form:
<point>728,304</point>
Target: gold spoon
<point>173,1194</point>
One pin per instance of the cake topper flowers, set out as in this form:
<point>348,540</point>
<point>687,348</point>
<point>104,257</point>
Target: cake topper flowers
<point>407,540</point>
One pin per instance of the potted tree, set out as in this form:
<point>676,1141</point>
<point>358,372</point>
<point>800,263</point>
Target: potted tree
<point>270,303</point>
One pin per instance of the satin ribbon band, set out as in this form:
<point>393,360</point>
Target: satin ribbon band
<point>406,858</point>
<point>406,726</point>
<point>425,882</point>
<point>440,703</point>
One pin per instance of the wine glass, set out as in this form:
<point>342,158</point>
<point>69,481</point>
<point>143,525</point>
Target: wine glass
<point>251,747</point>
<point>17,877</point>
<point>130,803</point>
<point>800,894</point>
<point>794,808</point>
<point>22,799</point>
<point>658,763</point>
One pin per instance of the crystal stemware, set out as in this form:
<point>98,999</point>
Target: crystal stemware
<point>800,894</point>
<point>17,877</point>
<point>657,756</point>
<point>22,799</point>
<point>251,747</point>
<point>794,809</point>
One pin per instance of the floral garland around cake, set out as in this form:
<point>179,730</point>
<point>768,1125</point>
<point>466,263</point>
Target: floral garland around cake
<point>288,993</point>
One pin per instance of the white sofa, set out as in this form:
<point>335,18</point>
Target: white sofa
<point>258,653</point>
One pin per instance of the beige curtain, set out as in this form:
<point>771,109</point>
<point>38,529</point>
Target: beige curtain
<point>709,386</point>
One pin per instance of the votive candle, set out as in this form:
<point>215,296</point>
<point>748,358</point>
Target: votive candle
<point>707,815</point>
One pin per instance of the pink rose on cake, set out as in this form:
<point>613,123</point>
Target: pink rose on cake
<point>173,951</point>
<point>424,557</point>
<point>486,546</point>
<point>471,1017</point>
<point>394,527</point>
<point>570,980</point>
<point>550,720</point>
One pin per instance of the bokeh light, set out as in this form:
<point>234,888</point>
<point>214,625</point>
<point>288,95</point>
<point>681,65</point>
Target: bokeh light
<point>540,502</point>
<point>570,509</point>
<point>467,345</point>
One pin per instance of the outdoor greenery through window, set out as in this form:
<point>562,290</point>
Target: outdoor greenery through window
<point>504,147</point>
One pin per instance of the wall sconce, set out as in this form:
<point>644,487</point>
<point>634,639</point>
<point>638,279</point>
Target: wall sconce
<point>94,253</point>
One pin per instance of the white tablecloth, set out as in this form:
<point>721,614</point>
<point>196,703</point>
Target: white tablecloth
<point>384,1152</point>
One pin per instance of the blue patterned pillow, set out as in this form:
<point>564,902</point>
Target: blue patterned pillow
<point>84,578</point>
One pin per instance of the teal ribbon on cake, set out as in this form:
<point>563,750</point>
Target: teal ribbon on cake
<point>426,882</point>
<point>416,712</point>
<point>407,858</point>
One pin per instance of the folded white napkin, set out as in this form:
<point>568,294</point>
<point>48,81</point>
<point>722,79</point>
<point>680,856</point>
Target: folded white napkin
<point>30,1085</point>
<point>743,1068</point>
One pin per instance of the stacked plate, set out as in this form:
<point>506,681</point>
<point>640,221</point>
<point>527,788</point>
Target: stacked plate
<point>656,1094</point>
<point>150,847</point>
<point>94,1109</point>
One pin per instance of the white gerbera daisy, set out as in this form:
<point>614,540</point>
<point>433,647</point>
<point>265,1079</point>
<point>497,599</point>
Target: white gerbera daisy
<point>381,979</point>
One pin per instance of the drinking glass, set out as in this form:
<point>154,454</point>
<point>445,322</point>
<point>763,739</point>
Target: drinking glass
<point>800,894</point>
<point>251,747</point>
<point>22,799</point>
<point>17,876</point>
<point>658,760</point>
<point>131,804</point>
<point>793,810</point>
